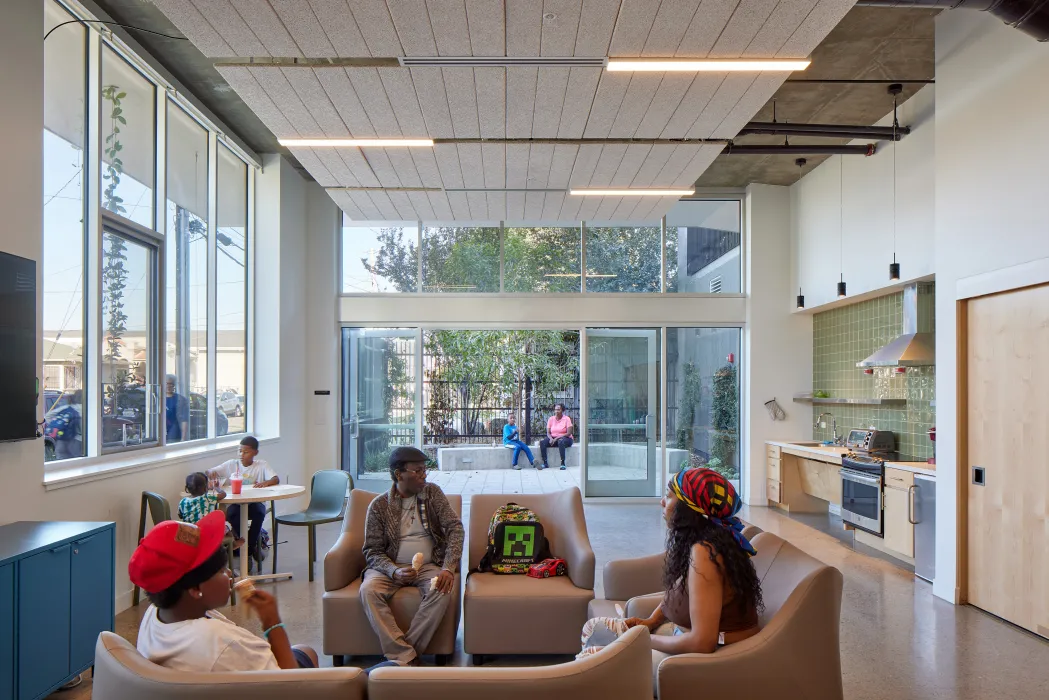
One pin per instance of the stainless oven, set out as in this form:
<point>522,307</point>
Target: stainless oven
<point>861,499</point>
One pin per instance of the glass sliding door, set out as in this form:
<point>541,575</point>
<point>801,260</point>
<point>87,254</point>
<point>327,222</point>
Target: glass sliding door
<point>379,410</point>
<point>622,412</point>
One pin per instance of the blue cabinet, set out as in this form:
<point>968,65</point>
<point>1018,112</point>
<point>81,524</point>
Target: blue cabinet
<point>7,632</point>
<point>92,576</point>
<point>56,595</point>
<point>43,609</point>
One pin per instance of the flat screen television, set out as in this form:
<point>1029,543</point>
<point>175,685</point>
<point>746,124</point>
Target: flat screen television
<point>18,384</point>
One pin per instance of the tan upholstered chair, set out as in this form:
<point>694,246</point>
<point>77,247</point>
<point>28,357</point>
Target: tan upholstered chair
<point>620,671</point>
<point>795,655</point>
<point>347,631</point>
<point>507,614</point>
<point>629,578</point>
<point>121,673</point>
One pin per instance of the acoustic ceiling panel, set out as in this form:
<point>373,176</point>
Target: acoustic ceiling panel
<point>516,102</point>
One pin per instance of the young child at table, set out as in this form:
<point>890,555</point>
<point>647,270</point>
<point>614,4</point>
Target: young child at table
<point>204,496</point>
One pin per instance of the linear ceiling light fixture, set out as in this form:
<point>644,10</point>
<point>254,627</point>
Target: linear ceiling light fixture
<point>632,193</point>
<point>706,65</point>
<point>355,143</point>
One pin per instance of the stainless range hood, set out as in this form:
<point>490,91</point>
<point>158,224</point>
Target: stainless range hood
<point>911,349</point>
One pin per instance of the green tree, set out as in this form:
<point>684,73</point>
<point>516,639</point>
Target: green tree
<point>725,417</point>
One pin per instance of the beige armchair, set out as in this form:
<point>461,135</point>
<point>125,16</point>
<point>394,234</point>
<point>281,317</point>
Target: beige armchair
<point>624,579</point>
<point>347,631</point>
<point>522,615</point>
<point>795,655</point>
<point>621,671</point>
<point>121,673</point>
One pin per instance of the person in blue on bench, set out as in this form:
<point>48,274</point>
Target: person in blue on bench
<point>512,438</point>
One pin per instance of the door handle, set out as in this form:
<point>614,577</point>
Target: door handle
<point>979,476</point>
<point>648,426</point>
<point>910,505</point>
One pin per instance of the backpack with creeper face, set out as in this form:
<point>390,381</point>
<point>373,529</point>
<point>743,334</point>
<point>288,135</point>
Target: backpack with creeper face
<point>515,541</point>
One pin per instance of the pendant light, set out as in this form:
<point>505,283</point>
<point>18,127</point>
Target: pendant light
<point>841,225</point>
<point>894,267</point>
<point>800,162</point>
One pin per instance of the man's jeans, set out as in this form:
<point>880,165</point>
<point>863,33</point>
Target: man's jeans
<point>397,645</point>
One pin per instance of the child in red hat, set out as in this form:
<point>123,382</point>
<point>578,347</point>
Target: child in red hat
<point>182,568</point>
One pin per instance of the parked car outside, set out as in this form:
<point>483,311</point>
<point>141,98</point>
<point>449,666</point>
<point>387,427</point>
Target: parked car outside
<point>231,403</point>
<point>63,423</point>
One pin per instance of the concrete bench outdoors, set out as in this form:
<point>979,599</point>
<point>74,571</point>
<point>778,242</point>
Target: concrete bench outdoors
<point>478,457</point>
<point>612,454</point>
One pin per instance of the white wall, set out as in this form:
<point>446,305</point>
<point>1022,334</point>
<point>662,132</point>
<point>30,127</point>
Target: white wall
<point>24,496</point>
<point>777,343</point>
<point>324,226</point>
<point>992,189</point>
<point>858,202</point>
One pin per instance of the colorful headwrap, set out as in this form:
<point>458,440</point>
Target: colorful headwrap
<point>712,496</point>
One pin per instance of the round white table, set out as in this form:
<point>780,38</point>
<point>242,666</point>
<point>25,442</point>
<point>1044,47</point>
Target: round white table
<point>250,494</point>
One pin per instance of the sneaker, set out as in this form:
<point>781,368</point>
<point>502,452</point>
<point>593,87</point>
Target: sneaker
<point>516,467</point>
<point>543,466</point>
<point>563,467</point>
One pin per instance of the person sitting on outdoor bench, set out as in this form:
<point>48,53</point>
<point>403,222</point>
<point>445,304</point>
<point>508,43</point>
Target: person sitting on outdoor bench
<point>558,434</point>
<point>512,438</point>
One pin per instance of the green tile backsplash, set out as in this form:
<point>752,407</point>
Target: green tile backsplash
<point>846,335</point>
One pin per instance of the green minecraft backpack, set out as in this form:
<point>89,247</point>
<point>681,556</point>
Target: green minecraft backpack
<point>515,541</point>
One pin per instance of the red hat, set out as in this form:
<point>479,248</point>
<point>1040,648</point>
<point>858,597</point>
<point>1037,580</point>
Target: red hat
<point>172,549</point>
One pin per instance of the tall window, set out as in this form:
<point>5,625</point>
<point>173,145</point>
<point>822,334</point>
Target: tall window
<point>65,75</point>
<point>703,385</point>
<point>703,247</point>
<point>186,251</point>
<point>541,259</point>
<point>231,323</point>
<point>379,259</point>
<point>623,258</point>
<point>460,259</point>
<point>128,140</point>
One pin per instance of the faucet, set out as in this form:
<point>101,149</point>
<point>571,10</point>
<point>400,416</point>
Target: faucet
<point>837,438</point>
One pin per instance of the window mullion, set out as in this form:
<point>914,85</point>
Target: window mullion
<point>212,315</point>
<point>92,381</point>
<point>160,218</point>
<point>249,316</point>
<point>582,257</point>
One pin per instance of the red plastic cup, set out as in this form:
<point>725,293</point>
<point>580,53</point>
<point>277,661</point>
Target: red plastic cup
<point>235,484</point>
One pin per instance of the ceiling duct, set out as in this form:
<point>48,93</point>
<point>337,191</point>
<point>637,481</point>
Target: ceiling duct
<point>826,130</point>
<point>791,149</point>
<point>911,348</point>
<point>1029,16</point>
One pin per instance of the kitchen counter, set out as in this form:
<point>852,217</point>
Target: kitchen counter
<point>916,467</point>
<point>833,454</point>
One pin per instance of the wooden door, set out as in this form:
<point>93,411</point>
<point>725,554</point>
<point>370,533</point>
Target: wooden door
<point>1007,409</point>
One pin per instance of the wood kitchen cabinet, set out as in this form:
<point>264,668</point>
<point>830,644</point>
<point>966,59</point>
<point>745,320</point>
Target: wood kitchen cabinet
<point>899,530</point>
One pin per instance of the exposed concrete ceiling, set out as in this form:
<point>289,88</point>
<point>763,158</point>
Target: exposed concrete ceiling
<point>869,43</point>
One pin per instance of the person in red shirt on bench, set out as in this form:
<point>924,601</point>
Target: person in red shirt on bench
<point>558,434</point>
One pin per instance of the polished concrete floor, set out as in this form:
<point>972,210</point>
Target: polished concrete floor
<point>898,641</point>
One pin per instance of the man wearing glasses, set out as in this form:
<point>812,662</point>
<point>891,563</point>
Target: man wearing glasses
<point>412,518</point>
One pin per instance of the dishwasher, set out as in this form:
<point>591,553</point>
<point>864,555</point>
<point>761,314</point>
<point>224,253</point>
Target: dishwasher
<point>923,516</point>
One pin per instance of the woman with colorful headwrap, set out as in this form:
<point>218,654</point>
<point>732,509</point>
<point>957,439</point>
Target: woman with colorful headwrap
<point>712,591</point>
